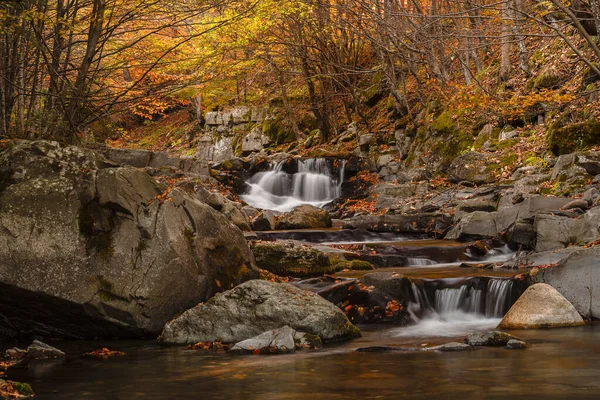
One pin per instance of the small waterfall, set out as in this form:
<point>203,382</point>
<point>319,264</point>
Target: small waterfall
<point>419,262</point>
<point>451,307</point>
<point>277,190</point>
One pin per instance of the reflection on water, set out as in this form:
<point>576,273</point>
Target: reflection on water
<point>561,363</point>
<point>450,324</point>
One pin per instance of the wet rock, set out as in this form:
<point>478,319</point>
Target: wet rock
<point>376,297</point>
<point>471,167</point>
<point>115,252</point>
<point>40,351</point>
<point>304,217</point>
<point>477,225</point>
<point>451,347</point>
<point>265,221</point>
<point>514,344</point>
<point>491,338</point>
<point>509,213</point>
<point>577,278</point>
<point>412,223</point>
<point>541,306</point>
<point>291,258</point>
<point>250,212</point>
<point>255,307</point>
<point>278,341</point>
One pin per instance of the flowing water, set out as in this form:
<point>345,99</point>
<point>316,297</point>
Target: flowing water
<point>313,184</point>
<point>561,363</point>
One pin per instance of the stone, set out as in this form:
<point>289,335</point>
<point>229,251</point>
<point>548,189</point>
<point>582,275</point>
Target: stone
<point>278,341</point>
<point>577,277</point>
<point>576,203</point>
<point>233,214</point>
<point>472,205</point>
<point>88,251</point>
<point>508,132</point>
<point>541,306</point>
<point>304,217</point>
<point>291,258</point>
<point>591,195</point>
<point>451,347</point>
<point>265,221</point>
<point>40,351</point>
<point>529,207</point>
<point>413,223</point>
<point>555,232</point>
<point>477,225</point>
<point>250,212</point>
<point>255,141</point>
<point>366,140</point>
<point>514,344</point>
<point>471,167</point>
<point>491,338</point>
<point>255,307</point>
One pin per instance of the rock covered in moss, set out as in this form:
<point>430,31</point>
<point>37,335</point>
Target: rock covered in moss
<point>91,250</point>
<point>255,307</point>
<point>291,258</point>
<point>491,338</point>
<point>541,306</point>
<point>568,138</point>
<point>471,167</point>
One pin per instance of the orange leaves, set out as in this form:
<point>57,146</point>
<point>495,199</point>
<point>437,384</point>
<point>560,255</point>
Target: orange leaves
<point>211,346</point>
<point>104,353</point>
<point>392,308</point>
<point>161,197</point>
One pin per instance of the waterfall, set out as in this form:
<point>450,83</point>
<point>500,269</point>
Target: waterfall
<point>450,307</point>
<point>277,190</point>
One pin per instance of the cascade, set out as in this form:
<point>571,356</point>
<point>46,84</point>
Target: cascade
<point>313,184</point>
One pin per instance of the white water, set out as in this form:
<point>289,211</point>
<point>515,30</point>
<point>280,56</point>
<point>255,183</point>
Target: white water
<point>279,191</point>
<point>458,310</point>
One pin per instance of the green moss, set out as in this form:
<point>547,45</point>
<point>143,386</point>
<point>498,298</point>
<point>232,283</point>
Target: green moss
<point>444,123</point>
<point>24,389</point>
<point>507,144</point>
<point>567,139</point>
<point>359,265</point>
<point>547,80</point>
<point>509,159</point>
<point>275,130</point>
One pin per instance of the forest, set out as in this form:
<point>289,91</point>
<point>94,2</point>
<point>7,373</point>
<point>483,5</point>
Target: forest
<point>85,70</point>
<point>292,199</point>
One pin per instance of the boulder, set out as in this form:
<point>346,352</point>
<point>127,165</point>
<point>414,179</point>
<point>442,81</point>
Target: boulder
<point>90,251</point>
<point>451,347</point>
<point>265,221</point>
<point>255,307</point>
<point>491,338</point>
<point>412,223</point>
<point>291,258</point>
<point>541,306</point>
<point>577,277</point>
<point>477,225</point>
<point>556,232</point>
<point>471,167</point>
<point>304,217</point>
<point>509,213</point>
<point>235,215</point>
<point>40,351</point>
<point>255,141</point>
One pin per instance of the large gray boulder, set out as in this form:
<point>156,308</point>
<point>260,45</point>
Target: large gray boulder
<point>578,279</point>
<point>556,232</point>
<point>255,307</point>
<point>541,306</point>
<point>89,251</point>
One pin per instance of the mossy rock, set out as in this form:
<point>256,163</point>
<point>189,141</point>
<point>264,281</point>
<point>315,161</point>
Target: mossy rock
<point>444,123</point>
<point>354,265</point>
<point>275,129</point>
<point>549,79</point>
<point>567,139</point>
<point>289,258</point>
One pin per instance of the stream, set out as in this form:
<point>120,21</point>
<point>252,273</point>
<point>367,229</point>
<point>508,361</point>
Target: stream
<point>451,298</point>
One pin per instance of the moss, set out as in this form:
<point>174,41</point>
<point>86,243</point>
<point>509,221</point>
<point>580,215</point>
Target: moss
<point>444,123</point>
<point>507,144</point>
<point>509,159</point>
<point>547,80</point>
<point>359,265</point>
<point>275,130</point>
<point>567,139</point>
<point>24,389</point>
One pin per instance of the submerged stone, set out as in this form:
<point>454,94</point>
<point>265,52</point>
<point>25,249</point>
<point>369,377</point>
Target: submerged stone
<point>491,338</point>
